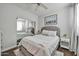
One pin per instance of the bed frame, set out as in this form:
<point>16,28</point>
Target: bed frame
<point>51,28</point>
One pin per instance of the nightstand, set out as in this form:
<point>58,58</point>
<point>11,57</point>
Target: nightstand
<point>65,42</point>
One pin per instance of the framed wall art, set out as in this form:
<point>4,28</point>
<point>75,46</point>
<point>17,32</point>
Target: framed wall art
<point>51,20</point>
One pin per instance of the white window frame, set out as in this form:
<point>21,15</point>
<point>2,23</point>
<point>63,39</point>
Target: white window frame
<point>24,27</point>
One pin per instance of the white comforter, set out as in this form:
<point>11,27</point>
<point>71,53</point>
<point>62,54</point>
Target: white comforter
<point>40,45</point>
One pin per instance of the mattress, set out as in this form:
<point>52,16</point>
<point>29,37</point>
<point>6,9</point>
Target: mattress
<point>40,45</point>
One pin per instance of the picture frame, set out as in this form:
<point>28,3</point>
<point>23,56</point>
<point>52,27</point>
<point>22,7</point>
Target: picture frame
<point>51,20</point>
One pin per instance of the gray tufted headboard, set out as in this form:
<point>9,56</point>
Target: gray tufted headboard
<point>52,28</point>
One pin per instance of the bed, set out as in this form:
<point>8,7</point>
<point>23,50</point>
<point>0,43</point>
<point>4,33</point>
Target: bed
<point>41,45</point>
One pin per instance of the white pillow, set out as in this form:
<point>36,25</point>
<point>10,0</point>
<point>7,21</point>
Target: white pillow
<point>45,32</point>
<point>52,33</point>
<point>49,33</point>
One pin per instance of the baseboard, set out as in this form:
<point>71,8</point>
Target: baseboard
<point>9,48</point>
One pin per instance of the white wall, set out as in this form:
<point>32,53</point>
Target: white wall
<point>64,17</point>
<point>8,15</point>
<point>78,28</point>
<point>0,43</point>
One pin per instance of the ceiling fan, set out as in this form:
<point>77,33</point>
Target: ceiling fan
<point>39,5</point>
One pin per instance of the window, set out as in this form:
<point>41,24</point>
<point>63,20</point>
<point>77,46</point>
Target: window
<point>30,24</point>
<point>20,24</point>
<point>24,25</point>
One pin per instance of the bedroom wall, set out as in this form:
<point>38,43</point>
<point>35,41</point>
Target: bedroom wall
<point>64,18</point>
<point>8,15</point>
<point>0,43</point>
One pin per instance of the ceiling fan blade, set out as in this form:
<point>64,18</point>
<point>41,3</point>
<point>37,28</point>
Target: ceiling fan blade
<point>39,5</point>
<point>36,8</point>
<point>42,5</point>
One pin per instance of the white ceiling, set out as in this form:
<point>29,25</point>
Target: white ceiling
<point>41,11</point>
